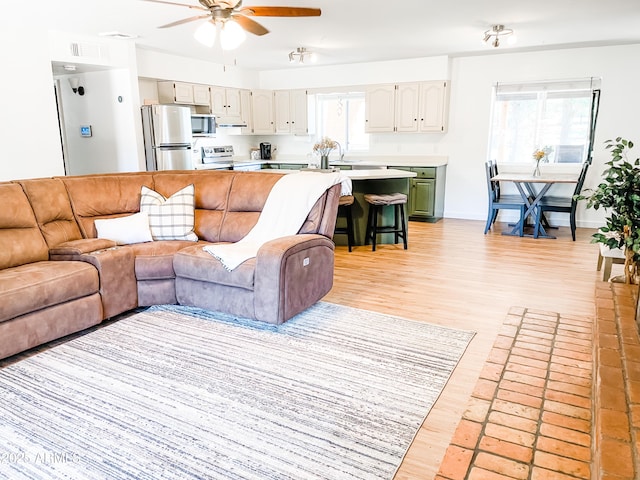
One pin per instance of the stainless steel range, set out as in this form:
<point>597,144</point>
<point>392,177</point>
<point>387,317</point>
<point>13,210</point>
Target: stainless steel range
<point>217,154</point>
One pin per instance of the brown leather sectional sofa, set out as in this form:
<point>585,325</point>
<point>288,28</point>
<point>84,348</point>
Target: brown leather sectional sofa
<point>57,278</point>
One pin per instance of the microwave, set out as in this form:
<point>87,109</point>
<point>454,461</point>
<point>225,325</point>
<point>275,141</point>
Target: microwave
<point>203,125</point>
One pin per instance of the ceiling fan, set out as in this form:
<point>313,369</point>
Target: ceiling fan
<point>220,12</point>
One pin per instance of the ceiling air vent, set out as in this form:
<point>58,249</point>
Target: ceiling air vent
<point>88,50</point>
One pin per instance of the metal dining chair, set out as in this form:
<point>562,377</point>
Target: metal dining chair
<point>550,203</point>
<point>499,201</point>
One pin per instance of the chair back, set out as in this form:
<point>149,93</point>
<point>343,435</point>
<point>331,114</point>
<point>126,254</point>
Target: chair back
<point>581,178</point>
<point>493,187</point>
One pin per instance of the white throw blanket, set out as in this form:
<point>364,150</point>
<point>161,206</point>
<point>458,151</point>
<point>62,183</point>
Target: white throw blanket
<point>284,212</point>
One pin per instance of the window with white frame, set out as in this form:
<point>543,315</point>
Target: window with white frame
<point>340,116</point>
<point>556,116</point>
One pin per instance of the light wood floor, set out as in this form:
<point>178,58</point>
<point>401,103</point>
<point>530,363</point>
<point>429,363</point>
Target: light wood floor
<point>454,275</point>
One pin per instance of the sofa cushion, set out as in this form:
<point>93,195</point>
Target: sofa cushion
<point>52,208</point>
<point>247,197</point>
<point>154,260</point>
<point>104,196</point>
<point>38,285</point>
<point>170,218</point>
<point>125,230</point>
<point>211,196</point>
<point>21,241</point>
<point>196,264</point>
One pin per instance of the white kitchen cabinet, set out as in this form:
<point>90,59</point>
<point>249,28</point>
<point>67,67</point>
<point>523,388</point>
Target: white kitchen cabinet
<point>299,108</point>
<point>290,111</point>
<point>200,94</point>
<point>281,111</point>
<point>434,106</point>
<point>379,106</point>
<point>406,103</point>
<point>246,110</point>
<point>183,93</point>
<point>407,107</point>
<point>225,103</point>
<point>175,92</point>
<point>262,108</point>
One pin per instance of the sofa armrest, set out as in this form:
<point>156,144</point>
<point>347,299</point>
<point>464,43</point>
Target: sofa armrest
<point>292,273</point>
<point>71,249</point>
<point>116,268</point>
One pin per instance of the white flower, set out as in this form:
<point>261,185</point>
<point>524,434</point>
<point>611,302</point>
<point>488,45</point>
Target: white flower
<point>324,146</point>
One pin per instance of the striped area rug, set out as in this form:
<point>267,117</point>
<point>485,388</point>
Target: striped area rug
<point>182,393</point>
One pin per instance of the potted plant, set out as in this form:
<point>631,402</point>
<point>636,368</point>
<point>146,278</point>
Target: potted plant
<point>619,194</point>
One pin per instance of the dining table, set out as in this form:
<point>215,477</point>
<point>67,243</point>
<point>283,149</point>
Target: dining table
<point>526,184</point>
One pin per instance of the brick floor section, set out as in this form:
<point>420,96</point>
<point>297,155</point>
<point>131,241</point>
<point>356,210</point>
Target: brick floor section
<point>558,399</point>
<point>617,404</point>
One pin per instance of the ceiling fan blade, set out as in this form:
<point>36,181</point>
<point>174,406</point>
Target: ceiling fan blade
<point>250,25</point>
<point>281,11</point>
<point>184,20</point>
<point>197,7</point>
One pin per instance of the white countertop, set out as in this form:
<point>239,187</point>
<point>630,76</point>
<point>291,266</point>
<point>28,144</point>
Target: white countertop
<point>365,160</point>
<point>377,174</point>
<point>361,168</point>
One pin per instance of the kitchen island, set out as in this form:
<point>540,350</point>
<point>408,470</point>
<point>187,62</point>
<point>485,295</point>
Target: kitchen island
<point>421,178</point>
<point>375,180</point>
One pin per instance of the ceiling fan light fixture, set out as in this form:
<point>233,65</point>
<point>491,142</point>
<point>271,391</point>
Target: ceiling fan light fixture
<point>497,33</point>
<point>302,55</point>
<point>206,34</point>
<point>231,35</point>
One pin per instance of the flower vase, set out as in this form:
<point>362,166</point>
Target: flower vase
<point>536,171</point>
<point>324,162</point>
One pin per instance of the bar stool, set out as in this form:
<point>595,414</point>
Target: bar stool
<point>376,203</point>
<point>344,209</point>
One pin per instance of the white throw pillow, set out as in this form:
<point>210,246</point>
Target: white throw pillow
<point>125,230</point>
<point>170,218</point>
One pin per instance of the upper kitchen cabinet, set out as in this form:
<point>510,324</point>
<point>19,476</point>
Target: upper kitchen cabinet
<point>183,93</point>
<point>392,108</point>
<point>226,104</point>
<point>290,111</point>
<point>379,106</point>
<point>406,107</point>
<point>406,104</point>
<point>201,94</point>
<point>247,110</point>
<point>262,109</point>
<point>434,106</point>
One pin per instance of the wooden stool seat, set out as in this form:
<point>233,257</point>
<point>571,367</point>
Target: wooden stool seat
<point>344,209</point>
<point>377,201</point>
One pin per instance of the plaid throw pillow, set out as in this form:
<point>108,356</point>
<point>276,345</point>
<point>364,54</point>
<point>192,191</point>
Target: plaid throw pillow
<point>170,218</point>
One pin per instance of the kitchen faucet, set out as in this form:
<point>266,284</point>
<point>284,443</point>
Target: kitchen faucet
<point>340,152</point>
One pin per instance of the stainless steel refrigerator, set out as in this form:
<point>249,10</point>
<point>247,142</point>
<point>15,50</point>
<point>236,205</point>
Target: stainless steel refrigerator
<point>167,137</point>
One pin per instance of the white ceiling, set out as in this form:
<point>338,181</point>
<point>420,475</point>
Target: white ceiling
<point>352,31</point>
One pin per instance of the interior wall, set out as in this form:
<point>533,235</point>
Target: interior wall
<point>28,119</point>
<point>113,145</point>
<point>305,76</point>
<point>472,81</point>
<point>163,66</point>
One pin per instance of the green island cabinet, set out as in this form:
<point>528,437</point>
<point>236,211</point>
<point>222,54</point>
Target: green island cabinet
<point>426,193</point>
